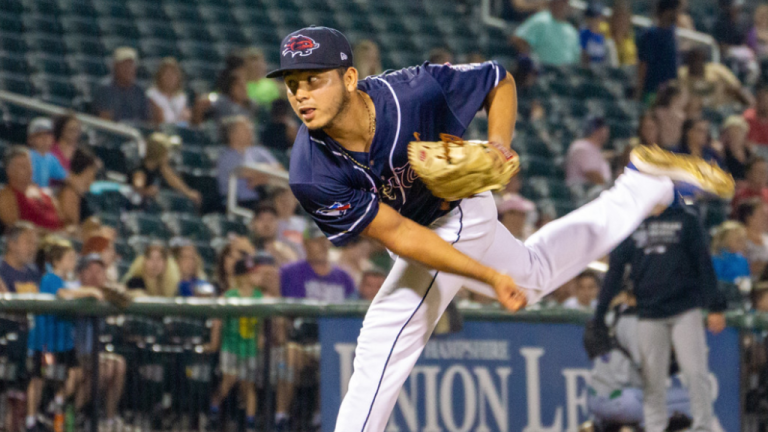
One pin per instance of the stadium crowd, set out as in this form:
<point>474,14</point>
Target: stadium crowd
<point>55,242</point>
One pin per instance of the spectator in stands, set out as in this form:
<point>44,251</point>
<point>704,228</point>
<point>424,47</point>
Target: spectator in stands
<point>191,268</point>
<point>122,99</point>
<point>155,273</point>
<point>112,367</point>
<point>557,297</point>
<point>586,288</point>
<point>147,178</point>
<point>757,38</point>
<point>73,205</point>
<point>371,284</point>
<point>696,141</point>
<point>647,130</point>
<point>21,199</point>
<point>239,344</point>
<point>549,36</point>
<point>760,298</point>
<point>264,226</point>
<point>234,64</point>
<point>67,133</point>
<point>714,83</point>
<point>520,10</point>
<point>440,56</point>
<point>585,163</point>
<point>225,267</point>
<point>621,32</point>
<point>280,132</point>
<point>514,214</point>
<point>238,133</point>
<point>733,137</point>
<point>755,183</point>
<point>729,244</point>
<point>354,258</point>
<point>729,30</point>
<point>290,226</point>
<point>45,166</point>
<point>684,19</point>
<point>367,58</point>
<point>673,280</point>
<point>657,52</point>
<point>757,117</point>
<point>526,73</point>
<point>316,278</point>
<point>261,90</point>
<point>753,214</point>
<point>594,47</point>
<point>102,243</point>
<point>669,110</point>
<point>233,100</point>
<point>17,270</point>
<point>167,99</point>
<point>55,335</point>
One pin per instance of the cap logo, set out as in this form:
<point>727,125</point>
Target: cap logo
<point>301,45</point>
<point>343,56</point>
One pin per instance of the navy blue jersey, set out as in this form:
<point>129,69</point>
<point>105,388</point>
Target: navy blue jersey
<point>342,189</point>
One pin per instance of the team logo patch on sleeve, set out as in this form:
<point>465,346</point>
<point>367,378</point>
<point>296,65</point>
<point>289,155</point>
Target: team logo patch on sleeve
<point>337,209</point>
<point>301,45</point>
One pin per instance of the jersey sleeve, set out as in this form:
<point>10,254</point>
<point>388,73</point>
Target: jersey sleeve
<point>341,212</point>
<point>466,86</point>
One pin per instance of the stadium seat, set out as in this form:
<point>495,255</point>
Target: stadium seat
<point>110,202</point>
<point>205,182</point>
<point>202,51</point>
<point>223,225</point>
<point>14,64</point>
<point>17,84</point>
<point>92,66</point>
<point>42,24</point>
<point>159,49</point>
<point>172,201</point>
<point>11,24</point>
<point>50,65</point>
<point>125,29</point>
<point>147,225</point>
<point>188,226</point>
<point>184,13</point>
<point>229,33</point>
<point>156,30</point>
<point>13,44</point>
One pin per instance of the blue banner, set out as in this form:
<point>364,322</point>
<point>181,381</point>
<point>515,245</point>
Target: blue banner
<point>500,377</point>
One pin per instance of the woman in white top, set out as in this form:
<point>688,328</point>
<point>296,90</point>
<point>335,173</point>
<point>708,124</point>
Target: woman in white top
<point>752,214</point>
<point>167,97</point>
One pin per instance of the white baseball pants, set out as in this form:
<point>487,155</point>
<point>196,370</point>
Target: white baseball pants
<point>404,313</point>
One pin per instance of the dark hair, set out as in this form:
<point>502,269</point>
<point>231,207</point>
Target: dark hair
<point>264,208</point>
<point>13,232</point>
<point>665,95</point>
<point>232,62</point>
<point>439,55</point>
<point>754,160</point>
<point>666,5</point>
<point>643,116</point>
<point>687,126</point>
<point>589,274</point>
<point>82,160</point>
<point>60,123</point>
<point>228,82</point>
<point>694,55</point>
<point>56,252</point>
<point>221,273</point>
<point>746,209</point>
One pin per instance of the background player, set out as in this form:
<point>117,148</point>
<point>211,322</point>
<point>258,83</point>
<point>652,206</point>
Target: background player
<point>350,171</point>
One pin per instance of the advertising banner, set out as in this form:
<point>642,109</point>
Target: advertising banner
<point>500,377</point>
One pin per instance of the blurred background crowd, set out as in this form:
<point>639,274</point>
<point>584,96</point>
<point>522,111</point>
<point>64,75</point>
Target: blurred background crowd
<point>82,208</point>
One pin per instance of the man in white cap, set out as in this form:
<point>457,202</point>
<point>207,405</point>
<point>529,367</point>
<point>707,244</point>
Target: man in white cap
<point>122,99</point>
<point>45,166</point>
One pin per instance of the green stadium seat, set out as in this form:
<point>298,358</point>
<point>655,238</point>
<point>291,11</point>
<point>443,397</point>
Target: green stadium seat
<point>184,13</point>
<point>229,33</point>
<point>158,49</point>
<point>88,27</point>
<point>11,24</point>
<point>172,201</point>
<point>156,30</point>
<point>206,52</point>
<point>217,15</point>
<point>147,225</point>
<point>42,24</point>
<point>13,44</point>
<point>205,182</point>
<point>17,84</point>
<point>56,66</point>
<point>194,33</point>
<point>86,45</point>
<point>188,226</point>
<point>14,64</point>
<point>11,6</point>
<point>92,66</point>
<point>223,225</point>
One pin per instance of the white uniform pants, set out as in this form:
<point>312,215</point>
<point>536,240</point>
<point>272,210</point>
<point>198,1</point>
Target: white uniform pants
<point>413,297</point>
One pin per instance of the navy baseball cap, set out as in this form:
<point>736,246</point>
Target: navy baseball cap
<point>313,48</point>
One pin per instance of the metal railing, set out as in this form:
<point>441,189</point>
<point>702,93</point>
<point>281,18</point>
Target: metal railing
<point>170,376</point>
<point>637,20</point>
<point>91,121</point>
